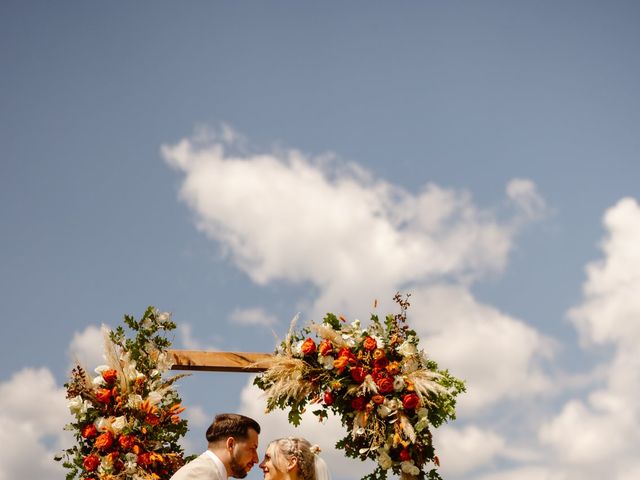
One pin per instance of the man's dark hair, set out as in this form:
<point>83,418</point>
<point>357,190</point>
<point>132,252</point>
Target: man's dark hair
<point>233,425</point>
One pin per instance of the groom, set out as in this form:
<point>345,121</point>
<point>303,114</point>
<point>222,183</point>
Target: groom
<point>232,452</point>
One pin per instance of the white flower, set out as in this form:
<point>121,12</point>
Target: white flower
<point>164,362</point>
<point>407,349</point>
<point>410,468</point>
<point>130,463</point>
<point>146,323</point>
<point>348,340</point>
<point>384,460</point>
<point>102,424</point>
<point>326,361</point>
<point>384,411</point>
<point>398,384</point>
<point>102,368</point>
<point>119,423</point>
<point>98,381</point>
<point>163,317</point>
<point>393,404</point>
<point>379,340</point>
<point>134,401</point>
<point>297,348</point>
<point>155,397</point>
<point>77,406</point>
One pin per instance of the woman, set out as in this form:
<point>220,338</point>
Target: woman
<point>293,459</point>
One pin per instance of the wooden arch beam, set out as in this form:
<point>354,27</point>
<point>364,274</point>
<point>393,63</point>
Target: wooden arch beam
<point>205,361</point>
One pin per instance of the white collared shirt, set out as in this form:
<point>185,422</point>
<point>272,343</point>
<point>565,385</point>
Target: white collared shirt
<point>218,463</point>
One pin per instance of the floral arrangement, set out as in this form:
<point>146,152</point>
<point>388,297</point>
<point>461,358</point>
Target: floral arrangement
<point>385,390</point>
<point>127,417</point>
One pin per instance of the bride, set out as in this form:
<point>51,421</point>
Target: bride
<point>293,459</point>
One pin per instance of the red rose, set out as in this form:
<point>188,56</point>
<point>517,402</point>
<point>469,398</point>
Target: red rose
<point>110,376</point>
<point>144,459</point>
<point>89,431</point>
<point>104,441</point>
<point>103,395</point>
<point>358,374</point>
<point>370,344</point>
<point>328,397</point>
<point>410,401</point>
<point>405,455</point>
<point>377,399</point>
<point>358,403</point>
<point>325,347</point>
<point>345,352</point>
<point>308,347</point>
<point>381,363</point>
<point>385,385</point>
<point>127,441</point>
<point>91,462</point>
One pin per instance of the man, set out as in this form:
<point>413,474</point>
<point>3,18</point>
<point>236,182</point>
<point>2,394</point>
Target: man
<point>232,452</point>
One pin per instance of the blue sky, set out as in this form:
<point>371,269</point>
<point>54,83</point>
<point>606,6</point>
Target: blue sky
<point>238,162</point>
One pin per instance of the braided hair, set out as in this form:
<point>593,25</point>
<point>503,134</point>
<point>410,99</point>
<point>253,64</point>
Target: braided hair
<point>305,454</point>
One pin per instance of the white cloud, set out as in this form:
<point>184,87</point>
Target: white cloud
<point>598,437</point>
<point>190,342</point>
<point>499,356</point>
<point>283,215</point>
<point>611,309</point>
<point>463,450</point>
<point>524,194</point>
<point>87,347</point>
<point>33,411</point>
<point>253,316</point>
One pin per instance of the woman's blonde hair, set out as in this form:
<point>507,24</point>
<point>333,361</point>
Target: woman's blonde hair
<point>305,454</point>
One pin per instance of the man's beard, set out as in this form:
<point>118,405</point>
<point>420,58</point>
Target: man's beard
<point>237,470</point>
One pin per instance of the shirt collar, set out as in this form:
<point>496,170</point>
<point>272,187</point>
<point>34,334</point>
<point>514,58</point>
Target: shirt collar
<point>218,463</point>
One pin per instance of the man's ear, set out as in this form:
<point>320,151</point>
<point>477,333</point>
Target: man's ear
<point>230,443</point>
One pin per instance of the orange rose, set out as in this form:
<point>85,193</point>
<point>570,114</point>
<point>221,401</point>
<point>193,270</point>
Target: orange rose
<point>308,347</point>
<point>103,395</point>
<point>127,441</point>
<point>104,441</point>
<point>152,419</point>
<point>379,354</point>
<point>385,385</point>
<point>91,462</point>
<point>393,368</point>
<point>410,401</point>
<point>89,431</point>
<point>325,347</point>
<point>377,399</point>
<point>370,344</point>
<point>340,363</point>
<point>110,376</point>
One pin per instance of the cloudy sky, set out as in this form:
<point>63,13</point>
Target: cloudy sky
<point>236,163</point>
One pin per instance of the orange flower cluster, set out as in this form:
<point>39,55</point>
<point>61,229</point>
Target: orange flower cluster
<point>127,418</point>
<point>385,391</point>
